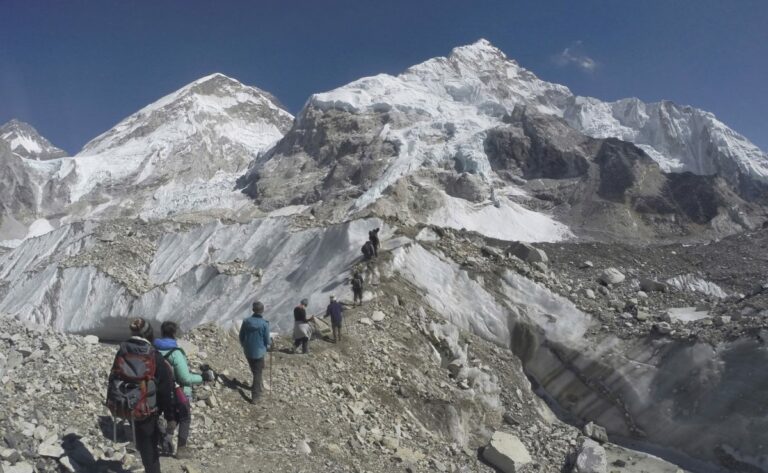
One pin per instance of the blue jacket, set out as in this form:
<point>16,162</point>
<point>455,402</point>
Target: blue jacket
<point>254,337</point>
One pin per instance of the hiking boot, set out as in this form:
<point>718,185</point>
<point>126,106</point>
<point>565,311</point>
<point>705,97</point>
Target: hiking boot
<point>183,453</point>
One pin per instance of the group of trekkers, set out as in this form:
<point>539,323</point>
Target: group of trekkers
<point>151,378</point>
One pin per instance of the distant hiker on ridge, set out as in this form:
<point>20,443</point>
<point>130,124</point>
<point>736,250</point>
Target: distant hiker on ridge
<point>302,331</point>
<point>140,388</point>
<point>255,340</point>
<point>334,311</point>
<point>177,358</point>
<point>368,251</point>
<point>373,237</point>
<point>357,287</point>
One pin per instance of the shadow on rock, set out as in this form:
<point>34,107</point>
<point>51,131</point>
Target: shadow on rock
<point>82,460</point>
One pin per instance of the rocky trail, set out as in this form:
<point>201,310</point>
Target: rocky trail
<point>403,391</point>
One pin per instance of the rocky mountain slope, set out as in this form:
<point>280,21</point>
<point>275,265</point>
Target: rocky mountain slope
<point>417,145</point>
<point>26,142</point>
<point>404,391</point>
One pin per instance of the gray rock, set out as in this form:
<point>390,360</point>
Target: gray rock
<point>52,450</point>
<point>650,285</point>
<point>527,253</point>
<point>611,276</point>
<point>663,328</point>
<point>591,459</point>
<point>91,339</point>
<point>506,452</point>
<point>595,432</point>
<point>22,467</point>
<point>642,316</point>
<point>377,316</point>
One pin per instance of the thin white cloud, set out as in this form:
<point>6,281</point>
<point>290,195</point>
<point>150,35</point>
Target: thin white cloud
<point>574,55</point>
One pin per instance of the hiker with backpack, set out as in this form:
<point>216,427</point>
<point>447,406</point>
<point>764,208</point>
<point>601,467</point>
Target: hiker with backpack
<point>335,311</point>
<point>368,251</point>
<point>373,237</point>
<point>256,341</point>
<point>184,379</point>
<point>357,288</point>
<point>140,389</point>
<point>302,331</point>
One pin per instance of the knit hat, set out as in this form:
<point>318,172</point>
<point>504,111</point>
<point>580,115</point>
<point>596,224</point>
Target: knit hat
<point>142,328</point>
<point>333,298</point>
<point>304,302</point>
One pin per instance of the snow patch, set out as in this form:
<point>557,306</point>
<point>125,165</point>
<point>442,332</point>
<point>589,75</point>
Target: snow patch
<point>687,314</point>
<point>506,221</point>
<point>692,283</point>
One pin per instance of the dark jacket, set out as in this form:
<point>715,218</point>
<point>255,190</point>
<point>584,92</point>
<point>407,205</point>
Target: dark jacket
<point>334,311</point>
<point>299,314</point>
<point>254,337</point>
<point>163,378</point>
<point>357,283</point>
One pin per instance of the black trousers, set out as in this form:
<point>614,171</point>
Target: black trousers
<point>184,427</point>
<point>358,295</point>
<point>303,342</point>
<point>336,331</point>
<point>148,443</point>
<point>257,370</point>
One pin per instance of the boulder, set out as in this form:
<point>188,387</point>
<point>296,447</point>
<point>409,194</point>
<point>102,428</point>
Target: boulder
<point>611,276</point>
<point>663,328</point>
<point>303,448</point>
<point>595,432</point>
<point>527,253</point>
<point>22,467</point>
<point>377,316</point>
<point>91,339</point>
<point>506,452</point>
<point>591,459</point>
<point>650,285</point>
<point>51,450</point>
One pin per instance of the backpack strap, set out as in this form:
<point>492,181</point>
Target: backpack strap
<point>170,352</point>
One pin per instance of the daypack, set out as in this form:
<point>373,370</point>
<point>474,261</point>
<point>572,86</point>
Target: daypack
<point>132,389</point>
<point>357,284</point>
<point>181,407</point>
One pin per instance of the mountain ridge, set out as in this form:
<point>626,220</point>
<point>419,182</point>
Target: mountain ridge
<point>26,142</point>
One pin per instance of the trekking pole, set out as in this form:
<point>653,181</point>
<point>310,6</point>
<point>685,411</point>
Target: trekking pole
<point>271,387</point>
<point>133,430</point>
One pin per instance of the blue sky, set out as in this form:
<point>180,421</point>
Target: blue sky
<point>74,68</point>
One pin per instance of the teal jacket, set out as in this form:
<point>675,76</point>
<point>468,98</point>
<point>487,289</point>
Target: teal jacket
<point>178,360</point>
<point>254,337</point>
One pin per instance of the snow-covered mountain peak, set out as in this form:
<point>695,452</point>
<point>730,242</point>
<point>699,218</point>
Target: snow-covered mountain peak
<point>213,104</point>
<point>26,142</point>
<point>477,84</point>
<point>481,51</point>
<point>478,75</point>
